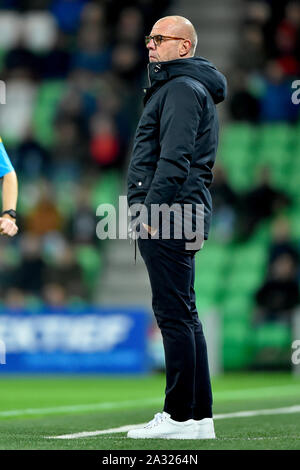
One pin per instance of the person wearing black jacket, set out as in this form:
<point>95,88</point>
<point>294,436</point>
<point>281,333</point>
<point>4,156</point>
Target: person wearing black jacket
<point>173,155</point>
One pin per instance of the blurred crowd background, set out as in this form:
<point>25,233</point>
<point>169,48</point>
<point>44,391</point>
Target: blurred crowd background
<point>74,72</point>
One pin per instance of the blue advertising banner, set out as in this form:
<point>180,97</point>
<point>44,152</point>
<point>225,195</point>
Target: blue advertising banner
<point>103,340</point>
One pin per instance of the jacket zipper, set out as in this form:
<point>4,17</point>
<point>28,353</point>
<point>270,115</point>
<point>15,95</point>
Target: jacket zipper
<point>149,76</point>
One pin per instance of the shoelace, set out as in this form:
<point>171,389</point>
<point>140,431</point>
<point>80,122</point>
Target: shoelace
<point>158,418</point>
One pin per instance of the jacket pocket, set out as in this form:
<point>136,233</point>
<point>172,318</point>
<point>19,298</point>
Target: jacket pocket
<point>140,182</point>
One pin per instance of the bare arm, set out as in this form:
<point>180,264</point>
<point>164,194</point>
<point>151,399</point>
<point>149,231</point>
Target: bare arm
<point>9,201</point>
<point>9,191</point>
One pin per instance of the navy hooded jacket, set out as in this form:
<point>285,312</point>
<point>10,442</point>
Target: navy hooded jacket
<point>176,139</point>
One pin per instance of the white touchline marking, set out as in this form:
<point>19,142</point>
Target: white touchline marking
<point>238,414</point>
<point>257,438</point>
<point>226,395</point>
<point>86,407</point>
<point>271,411</point>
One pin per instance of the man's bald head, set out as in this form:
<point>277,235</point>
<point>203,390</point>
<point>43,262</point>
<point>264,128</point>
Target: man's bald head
<point>180,39</point>
<point>180,26</point>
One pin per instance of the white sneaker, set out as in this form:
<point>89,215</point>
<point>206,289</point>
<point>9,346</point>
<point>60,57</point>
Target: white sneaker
<point>163,427</point>
<point>205,428</point>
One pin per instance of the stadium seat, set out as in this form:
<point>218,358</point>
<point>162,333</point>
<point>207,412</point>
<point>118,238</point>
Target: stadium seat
<point>249,254</point>
<point>107,189</point>
<point>236,344</point>
<point>237,134</point>
<point>11,28</point>
<point>39,31</point>
<point>237,306</point>
<point>49,95</point>
<point>16,115</point>
<point>271,134</point>
<point>243,281</point>
<point>90,260</point>
<point>273,334</point>
<point>2,58</point>
<point>272,345</point>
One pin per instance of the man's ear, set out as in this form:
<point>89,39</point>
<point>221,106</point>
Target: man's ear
<point>185,48</point>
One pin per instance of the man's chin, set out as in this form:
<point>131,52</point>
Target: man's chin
<point>153,59</point>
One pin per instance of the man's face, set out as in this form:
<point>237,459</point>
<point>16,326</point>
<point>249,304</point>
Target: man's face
<point>169,48</point>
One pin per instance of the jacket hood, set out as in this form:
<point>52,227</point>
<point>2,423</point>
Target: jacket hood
<point>196,67</point>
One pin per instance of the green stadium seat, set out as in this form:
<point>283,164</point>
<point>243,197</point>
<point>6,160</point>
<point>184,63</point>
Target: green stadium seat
<point>66,201</point>
<point>273,335</point>
<point>262,234</point>
<point>212,256</point>
<point>275,133</point>
<point>90,260</point>
<point>2,58</point>
<point>240,178</point>
<point>207,286</point>
<point>107,189</point>
<point>295,226</point>
<point>240,134</point>
<point>204,303</point>
<point>249,254</point>
<point>237,306</point>
<point>272,345</point>
<point>243,282</point>
<point>49,95</point>
<point>236,344</point>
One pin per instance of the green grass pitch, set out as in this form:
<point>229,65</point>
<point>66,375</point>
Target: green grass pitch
<point>33,408</point>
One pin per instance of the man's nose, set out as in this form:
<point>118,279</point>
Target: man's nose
<point>151,45</point>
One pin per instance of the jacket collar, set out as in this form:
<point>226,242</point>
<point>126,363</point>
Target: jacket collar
<point>197,68</point>
<point>157,75</point>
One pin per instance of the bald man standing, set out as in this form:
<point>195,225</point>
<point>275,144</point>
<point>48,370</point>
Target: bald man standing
<point>173,155</point>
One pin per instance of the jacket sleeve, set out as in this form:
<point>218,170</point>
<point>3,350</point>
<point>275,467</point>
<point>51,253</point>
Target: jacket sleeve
<point>179,122</point>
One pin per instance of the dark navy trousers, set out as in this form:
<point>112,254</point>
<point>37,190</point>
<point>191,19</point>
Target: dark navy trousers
<point>171,270</point>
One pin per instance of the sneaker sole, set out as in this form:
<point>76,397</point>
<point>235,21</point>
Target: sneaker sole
<point>175,436</point>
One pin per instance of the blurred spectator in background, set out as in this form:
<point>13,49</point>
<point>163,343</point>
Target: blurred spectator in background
<point>287,39</point>
<point>269,53</point>
<point>92,52</point>
<point>17,115</point>
<point>244,105</point>
<point>54,295</point>
<point>31,159</point>
<point>126,64</point>
<point>129,28</point>
<point>69,150</point>
<point>250,55</point>
<point>14,298</point>
<point>279,295</point>
<point>68,13</point>
<point>21,62</point>
<point>225,204</point>
<point>8,265</point>
<point>72,70</point>
<point>93,14</point>
<point>65,271</point>
<point>56,62</point>
<point>258,12</point>
<point>29,275</point>
<point>275,100</point>
<point>260,203</point>
<point>44,217</point>
<point>104,145</point>
<point>82,223</point>
<point>282,243</point>
<point>74,74</point>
